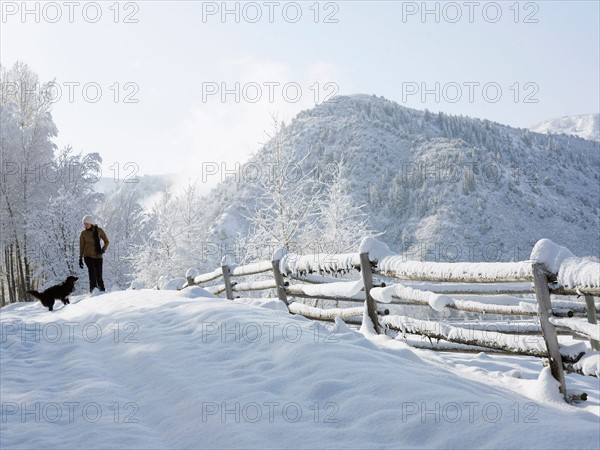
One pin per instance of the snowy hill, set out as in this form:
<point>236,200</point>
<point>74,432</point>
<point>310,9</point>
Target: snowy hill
<point>169,369</point>
<point>438,187</point>
<point>586,126</point>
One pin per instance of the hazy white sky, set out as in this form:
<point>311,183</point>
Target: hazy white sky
<point>172,86</point>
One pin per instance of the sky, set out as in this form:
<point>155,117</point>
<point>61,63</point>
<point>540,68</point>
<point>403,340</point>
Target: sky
<point>190,88</point>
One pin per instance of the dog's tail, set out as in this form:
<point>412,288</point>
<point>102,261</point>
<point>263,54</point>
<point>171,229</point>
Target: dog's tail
<point>35,294</point>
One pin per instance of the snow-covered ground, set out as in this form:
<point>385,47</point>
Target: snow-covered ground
<point>179,369</point>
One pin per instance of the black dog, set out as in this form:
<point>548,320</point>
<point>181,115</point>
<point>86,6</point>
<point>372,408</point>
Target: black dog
<point>59,292</point>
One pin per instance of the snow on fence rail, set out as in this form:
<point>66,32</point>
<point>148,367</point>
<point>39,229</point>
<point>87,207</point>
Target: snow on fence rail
<point>524,344</point>
<point>227,272</point>
<point>551,270</point>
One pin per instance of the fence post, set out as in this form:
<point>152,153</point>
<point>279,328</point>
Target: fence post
<point>367,275</point>
<point>190,281</point>
<point>591,316</point>
<point>279,281</point>
<point>542,293</point>
<point>227,281</point>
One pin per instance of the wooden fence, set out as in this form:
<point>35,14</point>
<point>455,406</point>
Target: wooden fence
<point>430,284</point>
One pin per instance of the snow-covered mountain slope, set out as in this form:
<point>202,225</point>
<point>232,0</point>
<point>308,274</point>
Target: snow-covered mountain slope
<point>169,369</point>
<point>438,187</point>
<point>586,126</point>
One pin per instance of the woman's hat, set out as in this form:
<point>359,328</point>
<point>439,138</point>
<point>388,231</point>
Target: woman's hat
<point>89,219</point>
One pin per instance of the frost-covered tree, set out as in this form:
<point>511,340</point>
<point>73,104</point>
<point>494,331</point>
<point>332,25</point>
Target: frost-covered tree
<point>26,153</point>
<point>125,222</point>
<point>55,228</point>
<point>286,201</point>
<point>190,215</point>
<point>156,256</point>
<point>172,238</point>
<point>342,222</point>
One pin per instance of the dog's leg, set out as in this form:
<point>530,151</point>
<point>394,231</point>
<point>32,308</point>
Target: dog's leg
<point>65,301</point>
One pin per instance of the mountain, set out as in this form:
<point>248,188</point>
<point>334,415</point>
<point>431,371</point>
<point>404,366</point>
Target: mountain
<point>586,126</point>
<point>438,187</point>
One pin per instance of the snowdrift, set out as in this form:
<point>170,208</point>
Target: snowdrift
<point>179,369</point>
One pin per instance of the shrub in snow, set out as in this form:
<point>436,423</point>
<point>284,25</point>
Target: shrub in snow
<point>173,284</point>
<point>136,285</point>
<point>195,292</point>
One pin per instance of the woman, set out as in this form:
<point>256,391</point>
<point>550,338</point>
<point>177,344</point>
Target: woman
<point>91,251</point>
